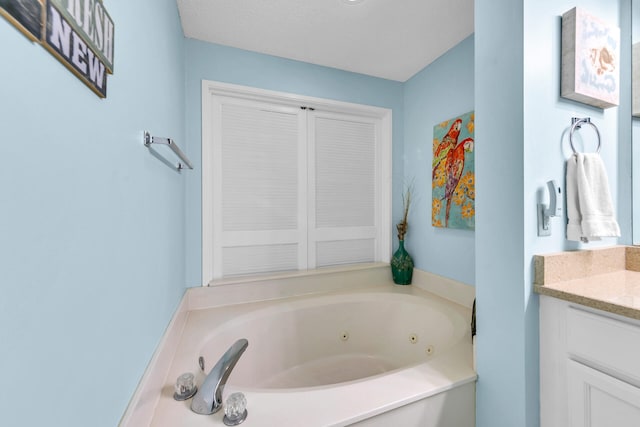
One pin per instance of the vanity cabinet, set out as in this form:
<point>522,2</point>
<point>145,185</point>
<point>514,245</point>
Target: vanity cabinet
<point>589,367</point>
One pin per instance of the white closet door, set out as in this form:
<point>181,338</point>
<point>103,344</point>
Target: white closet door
<point>291,182</point>
<point>259,205</point>
<point>343,219</point>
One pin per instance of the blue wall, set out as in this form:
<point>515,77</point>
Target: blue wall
<point>97,245</point>
<point>442,90</point>
<point>91,224</point>
<point>207,61</point>
<point>522,123</point>
<point>635,124</point>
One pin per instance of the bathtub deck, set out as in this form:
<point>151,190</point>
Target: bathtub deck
<point>287,398</point>
<point>420,394</point>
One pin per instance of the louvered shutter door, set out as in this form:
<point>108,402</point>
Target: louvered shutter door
<point>292,188</point>
<point>259,205</point>
<point>342,189</point>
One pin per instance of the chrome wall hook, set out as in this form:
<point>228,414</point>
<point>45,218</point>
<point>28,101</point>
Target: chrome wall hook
<point>545,212</point>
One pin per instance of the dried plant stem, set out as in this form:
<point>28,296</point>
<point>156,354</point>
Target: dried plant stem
<point>403,225</point>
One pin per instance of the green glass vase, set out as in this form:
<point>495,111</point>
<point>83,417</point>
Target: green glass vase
<point>402,266</point>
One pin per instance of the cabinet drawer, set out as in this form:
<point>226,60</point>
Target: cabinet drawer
<point>607,344</point>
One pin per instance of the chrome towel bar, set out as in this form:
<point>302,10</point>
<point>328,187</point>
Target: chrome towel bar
<point>149,140</point>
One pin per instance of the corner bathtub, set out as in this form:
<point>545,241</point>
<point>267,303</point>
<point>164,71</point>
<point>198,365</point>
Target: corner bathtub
<point>368,357</point>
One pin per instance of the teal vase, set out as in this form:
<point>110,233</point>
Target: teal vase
<point>402,266</point>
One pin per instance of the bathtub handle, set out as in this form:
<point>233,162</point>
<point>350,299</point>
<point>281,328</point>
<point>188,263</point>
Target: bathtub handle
<point>208,399</point>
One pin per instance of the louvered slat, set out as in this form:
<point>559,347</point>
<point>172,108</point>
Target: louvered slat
<point>344,173</point>
<point>259,259</point>
<point>260,169</point>
<point>345,252</point>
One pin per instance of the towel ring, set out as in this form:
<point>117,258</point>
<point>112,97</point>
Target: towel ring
<point>576,123</point>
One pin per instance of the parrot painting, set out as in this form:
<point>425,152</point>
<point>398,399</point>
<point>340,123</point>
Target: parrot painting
<point>448,142</point>
<point>453,173</point>
<point>455,166</point>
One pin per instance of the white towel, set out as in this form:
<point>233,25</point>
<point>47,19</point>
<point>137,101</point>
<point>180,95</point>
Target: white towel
<point>589,208</point>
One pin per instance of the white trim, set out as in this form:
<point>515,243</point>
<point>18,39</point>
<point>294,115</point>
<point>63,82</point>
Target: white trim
<point>207,177</point>
<point>210,90</point>
<point>385,165</point>
<point>303,206</point>
<point>310,190</point>
<point>256,94</point>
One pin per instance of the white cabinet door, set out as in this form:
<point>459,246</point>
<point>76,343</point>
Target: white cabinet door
<point>599,400</point>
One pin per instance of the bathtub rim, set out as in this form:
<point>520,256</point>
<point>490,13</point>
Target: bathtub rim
<point>141,407</point>
<point>209,342</point>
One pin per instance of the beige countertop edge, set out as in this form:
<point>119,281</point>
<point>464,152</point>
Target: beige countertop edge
<point>589,302</point>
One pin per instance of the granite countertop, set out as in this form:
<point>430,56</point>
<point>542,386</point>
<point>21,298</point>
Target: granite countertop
<point>606,279</point>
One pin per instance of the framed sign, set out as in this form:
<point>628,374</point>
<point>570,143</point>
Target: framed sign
<point>590,59</point>
<point>79,33</point>
<point>26,15</point>
<point>93,25</point>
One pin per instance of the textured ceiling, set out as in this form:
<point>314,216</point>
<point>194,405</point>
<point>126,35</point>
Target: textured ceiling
<point>391,39</point>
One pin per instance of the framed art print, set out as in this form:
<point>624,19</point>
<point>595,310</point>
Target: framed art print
<point>590,59</point>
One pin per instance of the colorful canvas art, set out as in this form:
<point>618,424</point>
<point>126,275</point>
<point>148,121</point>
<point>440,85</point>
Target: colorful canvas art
<point>453,174</point>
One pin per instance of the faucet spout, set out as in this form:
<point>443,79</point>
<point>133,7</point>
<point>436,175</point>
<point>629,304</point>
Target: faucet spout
<point>208,399</point>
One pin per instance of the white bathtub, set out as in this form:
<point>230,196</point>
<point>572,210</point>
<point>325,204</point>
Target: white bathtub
<point>371,357</point>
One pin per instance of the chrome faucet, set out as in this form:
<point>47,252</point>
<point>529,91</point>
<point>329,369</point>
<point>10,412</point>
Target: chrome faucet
<point>208,399</point>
